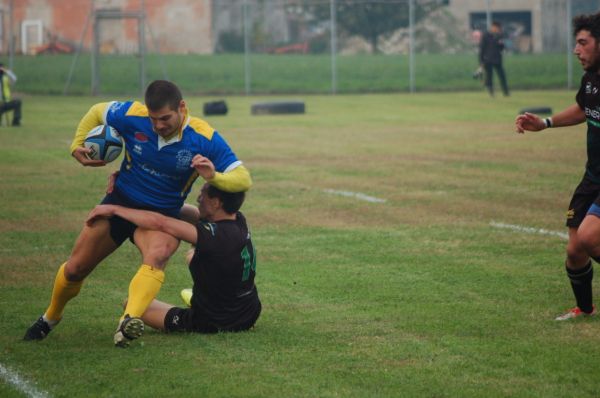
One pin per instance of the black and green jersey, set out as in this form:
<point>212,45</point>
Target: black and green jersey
<point>223,269</point>
<point>588,99</point>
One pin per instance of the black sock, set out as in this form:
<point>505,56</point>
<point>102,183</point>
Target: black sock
<point>581,283</point>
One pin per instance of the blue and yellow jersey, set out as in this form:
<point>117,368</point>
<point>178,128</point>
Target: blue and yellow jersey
<point>155,172</point>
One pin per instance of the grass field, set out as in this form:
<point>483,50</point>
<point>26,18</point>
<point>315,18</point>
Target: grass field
<point>421,294</point>
<point>280,74</point>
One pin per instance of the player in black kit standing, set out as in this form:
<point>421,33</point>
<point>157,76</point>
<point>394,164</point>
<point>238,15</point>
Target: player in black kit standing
<point>583,217</point>
<point>223,265</point>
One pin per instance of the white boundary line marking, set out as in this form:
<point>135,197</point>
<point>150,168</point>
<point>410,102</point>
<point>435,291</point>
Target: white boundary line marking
<point>356,195</point>
<point>20,384</point>
<point>529,230</point>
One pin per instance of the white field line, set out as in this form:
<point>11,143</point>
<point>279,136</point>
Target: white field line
<point>356,195</point>
<point>529,230</point>
<point>21,385</point>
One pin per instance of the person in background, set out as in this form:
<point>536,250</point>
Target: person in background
<point>490,57</point>
<point>7,77</point>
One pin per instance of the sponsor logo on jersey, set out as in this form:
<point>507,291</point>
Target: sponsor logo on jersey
<point>157,173</point>
<point>140,137</point>
<point>115,106</point>
<point>210,227</point>
<point>588,88</point>
<point>137,149</point>
<point>184,158</point>
<point>593,113</point>
<point>594,90</point>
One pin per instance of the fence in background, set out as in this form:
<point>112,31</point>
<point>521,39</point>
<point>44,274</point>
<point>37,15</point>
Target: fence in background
<point>273,46</point>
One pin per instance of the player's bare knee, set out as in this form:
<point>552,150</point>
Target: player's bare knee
<point>576,253</point>
<point>160,254</point>
<point>75,273</point>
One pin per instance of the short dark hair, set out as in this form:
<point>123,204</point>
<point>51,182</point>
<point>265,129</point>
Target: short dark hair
<point>590,23</point>
<point>160,93</point>
<point>232,201</point>
<point>497,24</point>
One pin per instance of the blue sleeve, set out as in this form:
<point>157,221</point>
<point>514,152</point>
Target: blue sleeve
<point>220,153</point>
<point>115,115</point>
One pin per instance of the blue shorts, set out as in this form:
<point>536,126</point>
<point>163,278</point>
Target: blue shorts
<point>121,229</point>
<point>594,209</point>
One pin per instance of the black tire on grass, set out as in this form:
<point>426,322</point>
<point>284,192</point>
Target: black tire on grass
<point>215,108</point>
<point>278,108</point>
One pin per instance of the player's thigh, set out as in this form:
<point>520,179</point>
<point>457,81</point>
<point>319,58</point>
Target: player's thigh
<point>589,231</point>
<point>92,246</point>
<point>156,247</point>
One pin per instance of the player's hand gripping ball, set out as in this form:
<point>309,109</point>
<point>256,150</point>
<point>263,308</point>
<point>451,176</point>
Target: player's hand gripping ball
<point>105,142</point>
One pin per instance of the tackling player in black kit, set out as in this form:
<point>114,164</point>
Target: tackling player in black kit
<point>583,217</point>
<point>223,265</point>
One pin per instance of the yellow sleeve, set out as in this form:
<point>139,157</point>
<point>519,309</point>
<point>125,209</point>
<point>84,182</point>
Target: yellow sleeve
<point>236,180</point>
<point>94,117</point>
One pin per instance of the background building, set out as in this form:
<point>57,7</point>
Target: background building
<point>173,26</point>
<point>207,26</point>
<point>531,25</point>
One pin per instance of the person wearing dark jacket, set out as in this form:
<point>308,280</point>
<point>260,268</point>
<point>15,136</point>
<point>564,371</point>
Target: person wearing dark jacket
<point>490,57</point>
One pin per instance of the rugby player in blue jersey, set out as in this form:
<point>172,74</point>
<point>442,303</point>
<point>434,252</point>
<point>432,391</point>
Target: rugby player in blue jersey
<point>166,150</point>
<point>583,216</point>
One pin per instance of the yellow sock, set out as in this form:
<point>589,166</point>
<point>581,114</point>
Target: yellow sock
<point>143,288</point>
<point>63,291</point>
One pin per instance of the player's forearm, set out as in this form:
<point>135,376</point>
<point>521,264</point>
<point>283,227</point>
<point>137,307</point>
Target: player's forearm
<point>571,116</point>
<point>142,218</point>
<point>158,222</point>
<point>236,180</point>
<point>93,118</point>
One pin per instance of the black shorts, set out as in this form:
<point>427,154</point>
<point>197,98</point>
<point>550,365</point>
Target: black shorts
<point>187,320</point>
<point>586,194</point>
<point>121,229</point>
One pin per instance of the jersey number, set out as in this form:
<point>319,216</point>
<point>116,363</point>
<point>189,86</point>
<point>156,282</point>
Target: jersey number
<point>249,258</point>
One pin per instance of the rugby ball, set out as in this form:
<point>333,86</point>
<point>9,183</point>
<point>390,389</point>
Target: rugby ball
<point>105,143</point>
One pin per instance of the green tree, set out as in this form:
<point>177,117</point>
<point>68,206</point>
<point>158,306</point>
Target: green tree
<point>373,18</point>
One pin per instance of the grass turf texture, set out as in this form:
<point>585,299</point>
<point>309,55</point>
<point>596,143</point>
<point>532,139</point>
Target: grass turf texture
<point>417,296</point>
<point>269,74</point>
